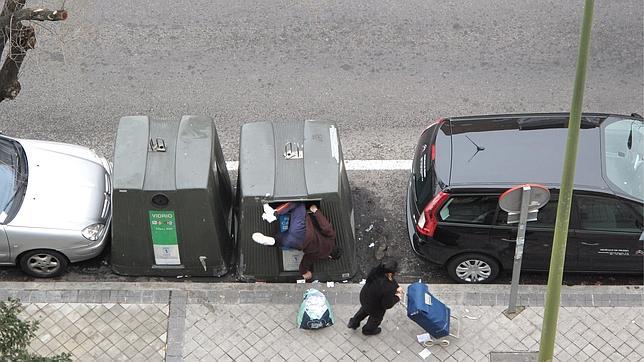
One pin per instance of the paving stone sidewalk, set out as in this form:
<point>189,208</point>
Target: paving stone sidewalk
<point>256,322</point>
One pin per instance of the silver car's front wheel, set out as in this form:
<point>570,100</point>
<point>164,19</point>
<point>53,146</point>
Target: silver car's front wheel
<point>43,263</point>
<point>473,268</point>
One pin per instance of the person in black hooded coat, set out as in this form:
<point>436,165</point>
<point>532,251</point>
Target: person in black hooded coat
<point>380,292</point>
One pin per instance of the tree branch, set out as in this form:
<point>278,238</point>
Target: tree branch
<point>10,6</point>
<point>33,14</point>
<point>20,38</point>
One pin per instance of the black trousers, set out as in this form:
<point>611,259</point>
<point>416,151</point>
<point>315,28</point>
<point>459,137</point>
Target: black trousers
<point>375,318</point>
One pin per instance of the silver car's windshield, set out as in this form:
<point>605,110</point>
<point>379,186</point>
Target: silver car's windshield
<point>12,176</point>
<point>623,152</point>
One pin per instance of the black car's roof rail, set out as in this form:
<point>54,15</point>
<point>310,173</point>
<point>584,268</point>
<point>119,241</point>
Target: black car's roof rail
<point>525,115</point>
<point>552,122</point>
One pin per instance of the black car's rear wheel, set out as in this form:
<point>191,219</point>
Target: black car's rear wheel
<point>473,268</point>
<point>43,263</point>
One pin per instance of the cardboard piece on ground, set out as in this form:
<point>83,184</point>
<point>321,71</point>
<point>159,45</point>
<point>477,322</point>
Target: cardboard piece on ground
<point>425,337</point>
<point>424,353</point>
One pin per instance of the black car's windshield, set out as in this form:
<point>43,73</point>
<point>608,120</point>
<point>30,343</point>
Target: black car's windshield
<point>623,152</point>
<point>12,176</point>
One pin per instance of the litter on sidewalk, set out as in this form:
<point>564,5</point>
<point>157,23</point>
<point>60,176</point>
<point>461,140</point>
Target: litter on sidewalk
<point>424,353</point>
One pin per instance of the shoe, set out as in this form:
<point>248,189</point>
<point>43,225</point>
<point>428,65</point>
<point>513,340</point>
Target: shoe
<point>352,324</point>
<point>372,333</point>
<point>263,239</point>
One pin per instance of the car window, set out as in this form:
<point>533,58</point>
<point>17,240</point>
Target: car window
<point>545,217</point>
<point>432,162</point>
<point>608,214</point>
<point>623,141</point>
<point>472,209</point>
<point>422,172</point>
<point>8,173</point>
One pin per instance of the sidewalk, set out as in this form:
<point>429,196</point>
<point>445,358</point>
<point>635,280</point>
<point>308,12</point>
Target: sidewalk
<point>244,322</point>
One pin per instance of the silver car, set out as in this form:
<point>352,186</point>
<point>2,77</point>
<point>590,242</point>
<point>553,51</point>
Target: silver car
<point>55,205</point>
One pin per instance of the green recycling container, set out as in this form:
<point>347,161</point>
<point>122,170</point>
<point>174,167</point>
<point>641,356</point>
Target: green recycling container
<point>172,199</point>
<point>291,161</point>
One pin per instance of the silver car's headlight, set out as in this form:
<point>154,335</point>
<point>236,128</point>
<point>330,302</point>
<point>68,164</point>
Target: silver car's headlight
<point>93,232</point>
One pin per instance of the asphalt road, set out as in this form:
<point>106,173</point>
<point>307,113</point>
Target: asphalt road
<point>382,70</point>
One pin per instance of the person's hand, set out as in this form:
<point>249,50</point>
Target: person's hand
<point>400,293</point>
<point>313,208</point>
<point>308,275</point>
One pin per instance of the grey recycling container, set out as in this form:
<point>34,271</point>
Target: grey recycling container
<point>172,199</point>
<point>291,161</point>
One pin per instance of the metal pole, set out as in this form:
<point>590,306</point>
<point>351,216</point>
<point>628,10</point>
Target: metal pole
<point>512,311</point>
<point>555,275</point>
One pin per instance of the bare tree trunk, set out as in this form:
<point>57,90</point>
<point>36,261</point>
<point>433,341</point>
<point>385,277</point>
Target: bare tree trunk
<point>20,38</point>
<point>10,6</point>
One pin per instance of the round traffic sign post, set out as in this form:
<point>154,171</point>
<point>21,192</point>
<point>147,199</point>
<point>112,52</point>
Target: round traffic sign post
<point>522,204</point>
<point>510,200</point>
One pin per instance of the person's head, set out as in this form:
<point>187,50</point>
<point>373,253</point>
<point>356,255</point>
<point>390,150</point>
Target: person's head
<point>387,266</point>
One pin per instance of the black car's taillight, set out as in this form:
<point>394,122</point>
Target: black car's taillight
<point>427,221</point>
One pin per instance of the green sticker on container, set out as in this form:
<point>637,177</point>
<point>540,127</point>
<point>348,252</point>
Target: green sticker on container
<point>163,227</point>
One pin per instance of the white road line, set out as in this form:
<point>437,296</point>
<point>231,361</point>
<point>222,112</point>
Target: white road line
<point>232,165</point>
<point>377,165</point>
<point>357,165</point>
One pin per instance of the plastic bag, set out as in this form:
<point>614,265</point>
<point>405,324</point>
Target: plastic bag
<point>315,311</point>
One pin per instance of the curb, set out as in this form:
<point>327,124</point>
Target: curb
<point>339,293</point>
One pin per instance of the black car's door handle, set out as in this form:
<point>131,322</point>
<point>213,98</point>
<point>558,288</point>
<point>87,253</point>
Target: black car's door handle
<point>589,244</point>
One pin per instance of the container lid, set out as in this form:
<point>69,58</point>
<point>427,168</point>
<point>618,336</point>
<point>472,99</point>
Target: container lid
<point>289,159</point>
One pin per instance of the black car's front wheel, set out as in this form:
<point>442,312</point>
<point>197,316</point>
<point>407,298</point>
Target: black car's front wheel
<point>473,268</point>
<point>43,263</point>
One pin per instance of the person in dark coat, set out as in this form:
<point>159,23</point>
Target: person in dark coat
<point>310,232</point>
<point>380,292</point>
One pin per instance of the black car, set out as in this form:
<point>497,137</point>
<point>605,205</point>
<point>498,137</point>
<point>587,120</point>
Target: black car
<point>462,165</point>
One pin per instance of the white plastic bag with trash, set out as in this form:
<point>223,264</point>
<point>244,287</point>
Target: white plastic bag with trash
<point>315,311</point>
